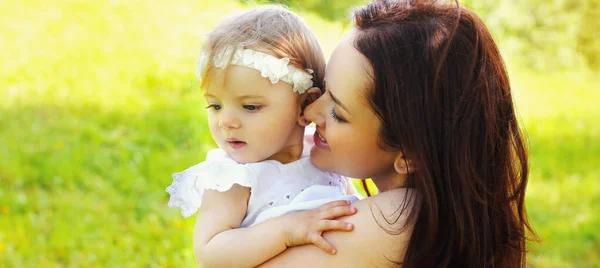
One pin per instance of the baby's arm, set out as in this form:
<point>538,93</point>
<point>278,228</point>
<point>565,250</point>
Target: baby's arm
<point>219,242</point>
<point>217,238</point>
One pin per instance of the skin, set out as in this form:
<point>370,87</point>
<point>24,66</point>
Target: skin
<point>350,129</point>
<point>264,120</point>
<point>345,120</point>
<point>261,118</point>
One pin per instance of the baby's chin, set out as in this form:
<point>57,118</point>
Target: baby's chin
<point>243,158</point>
<point>245,155</point>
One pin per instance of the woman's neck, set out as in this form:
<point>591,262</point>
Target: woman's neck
<point>389,181</point>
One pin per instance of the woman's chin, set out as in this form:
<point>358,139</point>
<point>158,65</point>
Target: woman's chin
<point>319,159</point>
<point>323,160</point>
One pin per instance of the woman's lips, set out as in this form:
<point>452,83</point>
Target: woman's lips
<point>320,142</point>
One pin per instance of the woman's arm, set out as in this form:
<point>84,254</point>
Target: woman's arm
<point>369,245</point>
<point>219,242</point>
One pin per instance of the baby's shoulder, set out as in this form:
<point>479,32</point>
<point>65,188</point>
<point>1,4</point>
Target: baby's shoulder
<point>217,172</point>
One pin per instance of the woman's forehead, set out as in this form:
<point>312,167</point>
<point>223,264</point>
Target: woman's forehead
<point>348,71</point>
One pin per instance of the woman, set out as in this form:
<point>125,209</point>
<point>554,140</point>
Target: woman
<point>417,98</point>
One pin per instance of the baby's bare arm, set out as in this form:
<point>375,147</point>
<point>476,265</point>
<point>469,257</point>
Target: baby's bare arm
<point>220,242</point>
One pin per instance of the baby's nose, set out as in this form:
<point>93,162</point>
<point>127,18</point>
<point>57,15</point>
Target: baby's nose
<point>228,120</point>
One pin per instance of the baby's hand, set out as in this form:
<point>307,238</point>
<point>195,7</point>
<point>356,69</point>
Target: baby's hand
<point>307,227</point>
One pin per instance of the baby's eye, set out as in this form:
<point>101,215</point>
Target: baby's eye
<point>250,107</point>
<point>214,106</point>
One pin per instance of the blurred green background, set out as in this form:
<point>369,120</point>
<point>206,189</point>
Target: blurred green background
<point>99,105</point>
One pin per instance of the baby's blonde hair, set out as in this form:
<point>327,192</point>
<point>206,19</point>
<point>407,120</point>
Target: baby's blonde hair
<point>273,30</point>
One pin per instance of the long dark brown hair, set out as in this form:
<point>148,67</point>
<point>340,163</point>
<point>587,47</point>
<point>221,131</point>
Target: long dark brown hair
<point>442,92</point>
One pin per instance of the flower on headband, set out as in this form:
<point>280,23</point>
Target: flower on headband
<point>201,64</point>
<point>302,81</point>
<point>275,68</point>
<point>269,66</point>
<point>222,59</point>
<point>258,62</point>
<point>249,57</point>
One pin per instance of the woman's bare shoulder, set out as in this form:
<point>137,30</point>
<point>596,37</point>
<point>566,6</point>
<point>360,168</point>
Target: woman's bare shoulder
<point>377,239</point>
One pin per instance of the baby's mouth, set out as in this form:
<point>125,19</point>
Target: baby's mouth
<point>235,144</point>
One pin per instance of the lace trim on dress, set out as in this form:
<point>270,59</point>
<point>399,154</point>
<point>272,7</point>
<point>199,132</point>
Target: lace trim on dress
<point>188,186</point>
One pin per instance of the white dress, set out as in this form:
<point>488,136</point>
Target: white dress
<point>276,189</point>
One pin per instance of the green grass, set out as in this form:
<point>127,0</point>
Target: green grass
<point>99,106</point>
<point>561,115</point>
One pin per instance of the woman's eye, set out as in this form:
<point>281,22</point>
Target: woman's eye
<point>337,117</point>
<point>252,107</point>
<point>214,106</point>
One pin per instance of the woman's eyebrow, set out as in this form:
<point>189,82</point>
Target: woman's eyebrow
<point>337,101</point>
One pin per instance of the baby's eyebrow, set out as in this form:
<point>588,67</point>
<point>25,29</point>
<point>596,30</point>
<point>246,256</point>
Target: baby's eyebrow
<point>250,97</point>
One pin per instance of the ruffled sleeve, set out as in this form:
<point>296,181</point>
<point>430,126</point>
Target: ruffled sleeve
<point>217,173</point>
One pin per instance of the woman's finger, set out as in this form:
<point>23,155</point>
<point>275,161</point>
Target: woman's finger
<point>321,243</point>
<point>333,225</point>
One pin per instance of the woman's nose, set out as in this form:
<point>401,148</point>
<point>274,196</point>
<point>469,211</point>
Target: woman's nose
<point>229,120</point>
<point>313,112</point>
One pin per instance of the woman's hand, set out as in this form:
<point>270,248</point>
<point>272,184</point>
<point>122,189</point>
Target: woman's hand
<point>306,227</point>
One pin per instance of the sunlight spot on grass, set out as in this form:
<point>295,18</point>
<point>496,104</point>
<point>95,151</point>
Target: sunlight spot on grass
<point>59,145</point>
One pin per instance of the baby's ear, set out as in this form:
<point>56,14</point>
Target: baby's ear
<point>311,95</point>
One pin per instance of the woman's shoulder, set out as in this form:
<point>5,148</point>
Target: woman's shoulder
<point>379,238</point>
<point>392,202</point>
<point>381,225</point>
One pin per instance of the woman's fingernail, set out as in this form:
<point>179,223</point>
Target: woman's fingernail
<point>349,226</point>
<point>333,251</point>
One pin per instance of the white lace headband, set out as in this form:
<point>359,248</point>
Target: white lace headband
<point>269,67</point>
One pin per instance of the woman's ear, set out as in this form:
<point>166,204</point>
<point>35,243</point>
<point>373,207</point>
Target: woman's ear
<point>402,165</point>
<point>311,95</point>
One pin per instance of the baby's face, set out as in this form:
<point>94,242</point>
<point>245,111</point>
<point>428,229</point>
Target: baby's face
<point>249,117</point>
